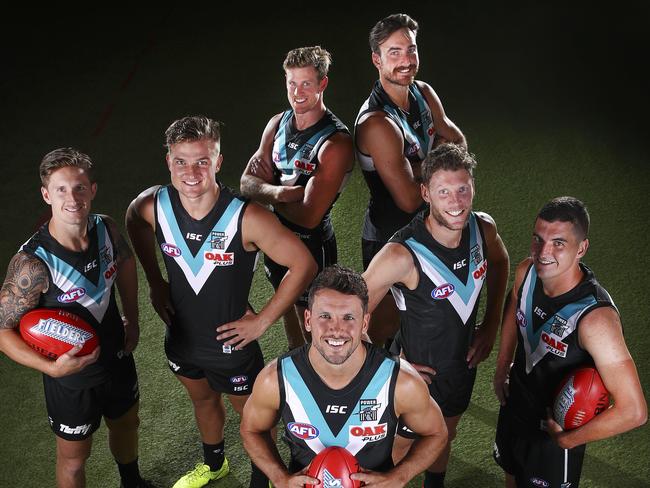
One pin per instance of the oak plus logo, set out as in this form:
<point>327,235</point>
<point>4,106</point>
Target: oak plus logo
<point>220,258</point>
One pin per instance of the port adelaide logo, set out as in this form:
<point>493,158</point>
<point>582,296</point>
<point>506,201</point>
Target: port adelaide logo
<point>368,410</point>
<point>218,240</point>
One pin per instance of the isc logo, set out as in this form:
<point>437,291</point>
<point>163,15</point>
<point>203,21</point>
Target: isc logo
<point>170,249</point>
<point>336,409</point>
<point>220,258</point>
<point>443,291</point>
<point>71,295</point>
<point>303,431</point>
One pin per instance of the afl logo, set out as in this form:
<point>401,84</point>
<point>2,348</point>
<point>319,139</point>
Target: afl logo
<point>443,291</point>
<point>238,380</point>
<point>539,482</point>
<point>72,295</point>
<point>171,250</point>
<point>303,431</point>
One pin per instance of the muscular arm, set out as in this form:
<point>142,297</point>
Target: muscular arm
<point>258,181</point>
<point>508,336</point>
<point>497,280</point>
<point>382,140</point>
<point>416,408</point>
<point>26,279</point>
<point>393,264</point>
<point>336,157</point>
<point>446,130</point>
<point>261,414</point>
<point>127,286</point>
<point>601,334</point>
<point>262,230</point>
<point>140,224</point>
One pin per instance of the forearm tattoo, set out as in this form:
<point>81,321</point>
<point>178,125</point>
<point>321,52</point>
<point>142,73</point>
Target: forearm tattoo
<point>26,279</point>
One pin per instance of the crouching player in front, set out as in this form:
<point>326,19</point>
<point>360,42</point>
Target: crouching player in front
<point>560,318</point>
<point>340,391</point>
<point>71,263</point>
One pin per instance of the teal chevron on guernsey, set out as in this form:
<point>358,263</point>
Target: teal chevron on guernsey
<point>569,315</point>
<point>97,295</point>
<point>196,268</point>
<point>305,410</point>
<point>462,296</point>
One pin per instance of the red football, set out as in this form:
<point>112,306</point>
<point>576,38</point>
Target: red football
<point>580,397</point>
<point>333,467</point>
<point>53,331</point>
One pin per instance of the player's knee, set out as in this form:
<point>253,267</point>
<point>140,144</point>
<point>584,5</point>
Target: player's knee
<point>130,421</point>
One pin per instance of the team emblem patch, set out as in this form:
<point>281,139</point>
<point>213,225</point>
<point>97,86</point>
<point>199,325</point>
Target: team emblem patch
<point>475,255</point>
<point>305,152</point>
<point>218,240</point>
<point>105,256</point>
<point>368,410</point>
<point>559,326</point>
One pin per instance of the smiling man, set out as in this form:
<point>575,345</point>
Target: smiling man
<point>340,391</point>
<point>436,268</point>
<point>301,166</point>
<point>557,298</point>
<point>209,238</point>
<point>397,126</point>
<point>72,263</point>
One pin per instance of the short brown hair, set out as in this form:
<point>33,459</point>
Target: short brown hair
<point>62,158</point>
<point>303,57</point>
<point>449,157</point>
<point>383,29</point>
<point>193,128</point>
<point>340,279</point>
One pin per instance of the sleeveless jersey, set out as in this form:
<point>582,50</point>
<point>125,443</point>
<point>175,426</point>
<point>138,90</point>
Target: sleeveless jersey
<point>360,417</point>
<point>437,319</point>
<point>82,283</point>
<point>547,342</point>
<point>209,271</point>
<point>295,157</point>
<point>383,216</point>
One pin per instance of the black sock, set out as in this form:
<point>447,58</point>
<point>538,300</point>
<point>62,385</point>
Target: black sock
<point>258,478</point>
<point>434,480</point>
<point>129,474</point>
<point>213,455</point>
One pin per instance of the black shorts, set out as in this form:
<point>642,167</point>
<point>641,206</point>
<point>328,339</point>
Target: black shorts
<point>74,414</point>
<point>236,380</point>
<point>368,251</point>
<point>451,391</point>
<point>533,458</point>
<point>324,253</point>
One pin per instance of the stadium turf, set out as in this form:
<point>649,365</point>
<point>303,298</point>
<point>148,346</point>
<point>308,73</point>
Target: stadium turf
<point>547,101</point>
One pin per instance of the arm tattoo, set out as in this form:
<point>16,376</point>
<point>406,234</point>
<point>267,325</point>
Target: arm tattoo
<point>26,279</point>
<point>122,250</point>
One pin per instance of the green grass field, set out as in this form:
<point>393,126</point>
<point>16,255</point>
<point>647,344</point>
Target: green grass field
<point>546,115</point>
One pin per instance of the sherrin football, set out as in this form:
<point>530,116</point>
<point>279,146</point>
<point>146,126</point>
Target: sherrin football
<point>53,331</point>
<point>579,398</point>
<point>333,467</point>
